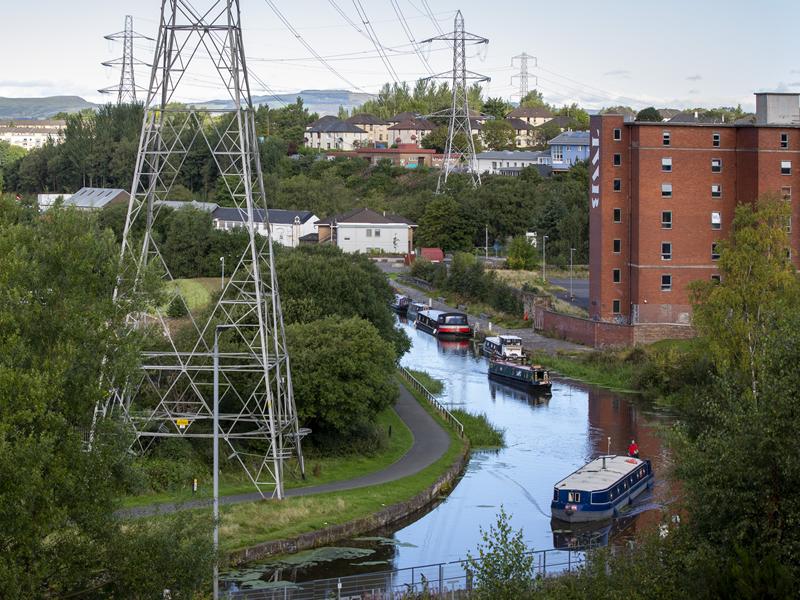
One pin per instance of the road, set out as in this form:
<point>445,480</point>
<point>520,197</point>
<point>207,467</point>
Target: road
<point>580,289</point>
<point>430,443</point>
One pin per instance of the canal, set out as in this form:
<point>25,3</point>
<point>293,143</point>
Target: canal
<point>546,439</point>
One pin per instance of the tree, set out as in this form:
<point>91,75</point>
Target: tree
<point>342,373</point>
<point>498,134</point>
<point>444,225</point>
<point>649,114</point>
<point>496,107</point>
<point>187,243</point>
<point>533,99</point>
<point>503,568</point>
<point>521,255</point>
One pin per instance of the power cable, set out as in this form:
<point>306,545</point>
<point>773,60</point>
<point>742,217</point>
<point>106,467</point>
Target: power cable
<point>399,12</point>
<point>362,14</point>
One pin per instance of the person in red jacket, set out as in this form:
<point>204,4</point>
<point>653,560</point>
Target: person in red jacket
<point>633,449</point>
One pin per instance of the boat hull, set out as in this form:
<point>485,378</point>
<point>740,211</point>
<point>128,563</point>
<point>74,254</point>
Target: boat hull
<point>443,334</point>
<point>543,386</point>
<point>584,513</point>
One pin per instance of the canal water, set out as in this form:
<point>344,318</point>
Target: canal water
<point>547,437</point>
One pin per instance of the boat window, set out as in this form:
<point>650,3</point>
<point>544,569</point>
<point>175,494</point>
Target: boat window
<point>555,495</point>
<point>455,320</point>
<point>574,496</point>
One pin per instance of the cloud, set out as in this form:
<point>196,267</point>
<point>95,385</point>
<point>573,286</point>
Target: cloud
<point>694,92</point>
<point>794,71</point>
<point>19,83</point>
<point>624,73</point>
<point>795,84</point>
<point>694,78</point>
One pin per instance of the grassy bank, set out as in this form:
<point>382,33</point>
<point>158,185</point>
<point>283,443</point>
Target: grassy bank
<point>433,385</point>
<point>479,431</point>
<point>319,469</point>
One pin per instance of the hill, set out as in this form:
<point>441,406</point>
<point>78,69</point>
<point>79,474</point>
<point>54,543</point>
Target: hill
<point>41,108</point>
<point>324,102</point>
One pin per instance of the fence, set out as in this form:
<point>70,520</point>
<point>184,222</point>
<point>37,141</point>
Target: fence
<point>438,580</point>
<point>446,414</point>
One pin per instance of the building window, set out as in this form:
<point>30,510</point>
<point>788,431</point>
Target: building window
<point>665,138</point>
<point>715,139</point>
<point>716,220</point>
<point>369,232</point>
<point>494,164</point>
<point>666,165</point>
<point>617,134</point>
<point>615,304</point>
<point>786,167</point>
<point>716,278</point>
<point>666,219</point>
<point>716,165</point>
<point>617,160</point>
<point>784,140</point>
<point>666,190</point>
<point>666,283</point>
<point>558,153</point>
<point>617,215</point>
<point>377,233</point>
<point>617,246</point>
<point>716,190</point>
<point>618,185</point>
<point>789,224</point>
<point>666,250</point>
<point>786,192</point>
<point>714,251</point>
<point>616,275</point>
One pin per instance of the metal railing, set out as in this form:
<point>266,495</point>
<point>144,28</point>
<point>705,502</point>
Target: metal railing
<point>439,580</point>
<point>441,408</point>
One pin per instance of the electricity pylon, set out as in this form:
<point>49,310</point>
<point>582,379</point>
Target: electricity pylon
<point>126,90</point>
<point>523,73</point>
<point>460,120</point>
<point>172,395</point>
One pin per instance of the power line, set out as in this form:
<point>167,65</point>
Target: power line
<point>431,17</point>
<point>399,12</point>
<point>523,72</point>
<point>362,14</point>
<point>126,90</point>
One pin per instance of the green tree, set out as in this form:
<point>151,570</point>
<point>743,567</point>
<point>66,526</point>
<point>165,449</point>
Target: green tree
<point>649,114</point>
<point>444,225</point>
<point>503,567</point>
<point>533,99</point>
<point>521,255</point>
<point>497,107</point>
<point>187,243</point>
<point>498,135</point>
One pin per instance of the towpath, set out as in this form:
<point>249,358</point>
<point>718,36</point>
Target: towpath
<point>430,443</point>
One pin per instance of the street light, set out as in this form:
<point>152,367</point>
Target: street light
<point>216,454</point>
<point>544,259</point>
<point>571,295</point>
<point>222,280</point>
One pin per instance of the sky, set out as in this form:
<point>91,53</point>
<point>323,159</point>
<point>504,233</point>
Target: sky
<point>669,53</point>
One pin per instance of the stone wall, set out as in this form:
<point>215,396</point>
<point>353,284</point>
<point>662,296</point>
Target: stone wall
<point>647,333</point>
<point>334,533</point>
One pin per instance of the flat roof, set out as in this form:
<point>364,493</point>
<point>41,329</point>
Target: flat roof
<point>435,313</point>
<point>592,477</point>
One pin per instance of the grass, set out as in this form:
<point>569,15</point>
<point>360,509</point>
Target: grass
<point>319,469</point>
<point>433,385</point>
<point>598,368</point>
<point>480,432</point>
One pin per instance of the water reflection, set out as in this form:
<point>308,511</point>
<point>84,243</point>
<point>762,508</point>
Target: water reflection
<point>546,437</point>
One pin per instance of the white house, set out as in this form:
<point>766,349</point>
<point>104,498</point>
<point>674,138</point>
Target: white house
<point>330,133</point>
<point>30,134</point>
<point>511,162</point>
<point>532,116</point>
<point>369,232</point>
<point>286,226</point>
<point>377,129</point>
<point>410,131</point>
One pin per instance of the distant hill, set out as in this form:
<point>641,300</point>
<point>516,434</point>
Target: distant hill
<point>41,108</point>
<point>324,102</point>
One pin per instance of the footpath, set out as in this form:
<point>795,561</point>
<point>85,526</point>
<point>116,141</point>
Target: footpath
<point>531,341</point>
<point>430,443</point>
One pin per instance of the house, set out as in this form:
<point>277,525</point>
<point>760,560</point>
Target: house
<point>32,133</point>
<point>695,117</point>
<point>366,231</point>
<point>524,132</point>
<point>208,207</point>
<point>376,128</point>
<point>667,113</point>
<point>511,162</point>
<point>409,156</point>
<point>286,226</point>
<point>532,116</point>
<point>330,133</point>
<point>410,131</point>
<point>568,148</point>
<point>403,116</point>
<point>92,198</point>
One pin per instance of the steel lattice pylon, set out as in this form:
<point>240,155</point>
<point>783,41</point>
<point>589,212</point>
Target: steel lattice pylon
<point>523,73</point>
<point>460,120</point>
<point>172,396</point>
<point>126,90</point>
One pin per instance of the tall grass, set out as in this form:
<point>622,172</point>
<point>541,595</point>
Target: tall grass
<point>479,431</point>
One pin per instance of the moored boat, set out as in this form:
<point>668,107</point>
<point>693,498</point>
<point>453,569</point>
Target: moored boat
<point>443,324</point>
<point>400,304</point>
<point>600,488</point>
<point>529,377</point>
<point>505,347</point>
<point>414,308</point>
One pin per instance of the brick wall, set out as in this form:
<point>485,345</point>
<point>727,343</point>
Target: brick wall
<point>648,333</point>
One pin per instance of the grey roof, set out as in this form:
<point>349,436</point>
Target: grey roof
<point>322,121</point>
<point>95,197</point>
<point>276,215</point>
<point>365,215</point>
<point>535,112</point>
<point>571,138</point>
<point>563,121</point>
<point>334,126</point>
<point>403,116</point>
<point>512,155</point>
<point>177,205</point>
<point>517,123</point>
<point>668,113</point>
<point>418,124</point>
<point>693,117</point>
<point>365,119</point>
<point>593,477</point>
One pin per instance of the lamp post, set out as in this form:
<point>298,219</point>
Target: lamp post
<point>544,259</point>
<point>571,295</point>
<point>222,280</point>
<point>217,329</point>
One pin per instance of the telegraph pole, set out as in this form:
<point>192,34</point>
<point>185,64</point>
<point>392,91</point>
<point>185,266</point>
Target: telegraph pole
<point>460,121</point>
<point>524,74</point>
<point>126,90</point>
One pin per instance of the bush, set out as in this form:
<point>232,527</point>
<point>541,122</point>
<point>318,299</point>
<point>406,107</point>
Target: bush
<point>177,308</point>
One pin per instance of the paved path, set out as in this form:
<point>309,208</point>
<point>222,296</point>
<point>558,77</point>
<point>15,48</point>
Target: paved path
<point>430,443</point>
<point>580,289</point>
<point>531,340</point>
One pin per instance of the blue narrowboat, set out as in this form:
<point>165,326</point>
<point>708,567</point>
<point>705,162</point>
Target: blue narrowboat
<point>600,488</point>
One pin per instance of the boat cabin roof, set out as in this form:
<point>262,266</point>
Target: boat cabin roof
<point>510,339</point>
<point>593,477</point>
<point>435,314</point>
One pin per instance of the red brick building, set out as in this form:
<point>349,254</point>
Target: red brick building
<point>663,193</point>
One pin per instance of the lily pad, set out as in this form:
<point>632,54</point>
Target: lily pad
<point>310,558</point>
